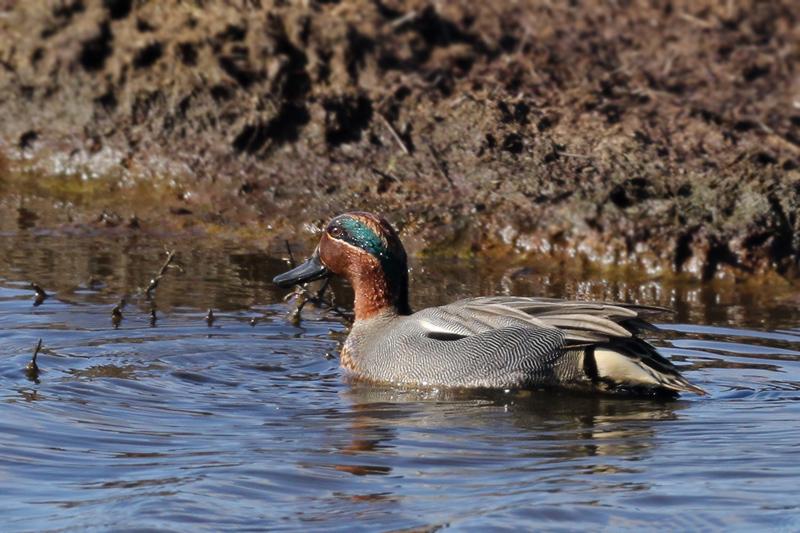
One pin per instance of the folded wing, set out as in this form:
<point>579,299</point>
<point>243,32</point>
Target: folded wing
<point>587,341</point>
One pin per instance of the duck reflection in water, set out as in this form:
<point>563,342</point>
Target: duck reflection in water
<point>532,427</point>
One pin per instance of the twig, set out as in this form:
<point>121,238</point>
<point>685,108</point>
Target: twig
<point>408,17</point>
<point>321,291</point>
<point>705,24</point>
<point>385,175</point>
<point>291,255</point>
<point>32,369</point>
<point>116,313</point>
<point>41,295</point>
<point>210,317</point>
<point>439,165</point>
<point>39,290</point>
<point>578,156</point>
<point>154,282</point>
<point>395,135</point>
<point>304,296</point>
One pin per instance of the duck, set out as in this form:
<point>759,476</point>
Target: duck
<point>485,342</point>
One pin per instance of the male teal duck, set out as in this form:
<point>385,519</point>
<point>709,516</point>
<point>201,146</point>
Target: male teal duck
<point>495,342</point>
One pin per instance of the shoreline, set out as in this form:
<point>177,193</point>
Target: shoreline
<point>667,140</point>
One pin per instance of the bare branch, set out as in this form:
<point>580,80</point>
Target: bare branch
<point>32,369</point>
<point>154,282</point>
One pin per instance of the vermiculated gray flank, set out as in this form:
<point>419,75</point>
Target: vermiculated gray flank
<point>513,342</point>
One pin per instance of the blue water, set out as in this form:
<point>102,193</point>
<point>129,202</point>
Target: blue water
<point>189,427</point>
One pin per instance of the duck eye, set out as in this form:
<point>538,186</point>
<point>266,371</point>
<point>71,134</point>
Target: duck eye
<point>336,232</point>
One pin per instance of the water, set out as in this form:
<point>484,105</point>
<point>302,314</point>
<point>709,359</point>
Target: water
<point>186,426</point>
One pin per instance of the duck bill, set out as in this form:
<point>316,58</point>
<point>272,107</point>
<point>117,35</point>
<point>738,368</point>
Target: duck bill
<point>309,271</point>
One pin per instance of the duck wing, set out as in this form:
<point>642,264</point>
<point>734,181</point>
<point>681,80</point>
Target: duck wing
<point>580,321</point>
<point>541,340</point>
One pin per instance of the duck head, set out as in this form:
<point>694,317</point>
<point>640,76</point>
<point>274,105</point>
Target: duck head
<point>364,249</point>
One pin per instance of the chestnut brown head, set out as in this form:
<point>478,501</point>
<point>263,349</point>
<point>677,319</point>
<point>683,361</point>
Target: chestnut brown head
<point>364,249</point>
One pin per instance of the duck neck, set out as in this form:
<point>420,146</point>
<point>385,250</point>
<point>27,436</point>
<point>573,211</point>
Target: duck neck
<point>378,292</point>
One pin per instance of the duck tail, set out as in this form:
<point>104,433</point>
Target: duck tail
<point>634,364</point>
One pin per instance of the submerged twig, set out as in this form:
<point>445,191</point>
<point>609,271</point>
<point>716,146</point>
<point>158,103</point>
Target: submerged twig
<point>32,369</point>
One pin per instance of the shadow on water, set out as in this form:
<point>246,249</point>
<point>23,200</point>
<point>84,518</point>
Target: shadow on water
<point>246,424</point>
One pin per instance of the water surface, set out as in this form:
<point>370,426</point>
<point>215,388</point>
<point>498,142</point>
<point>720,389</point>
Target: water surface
<point>247,424</point>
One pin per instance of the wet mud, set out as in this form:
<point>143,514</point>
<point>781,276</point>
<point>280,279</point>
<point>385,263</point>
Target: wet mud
<point>660,134</point>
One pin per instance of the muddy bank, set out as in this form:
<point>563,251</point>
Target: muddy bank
<point>666,134</point>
